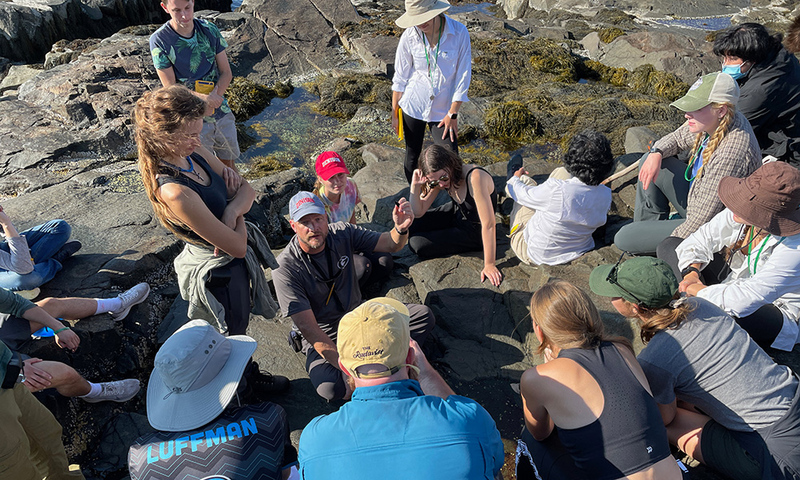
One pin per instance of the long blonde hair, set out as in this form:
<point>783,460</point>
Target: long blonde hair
<point>158,116</point>
<point>567,317</point>
<point>716,137</point>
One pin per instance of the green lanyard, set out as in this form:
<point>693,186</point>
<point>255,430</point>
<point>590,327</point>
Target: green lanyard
<point>697,154</point>
<point>760,249</point>
<point>430,72</point>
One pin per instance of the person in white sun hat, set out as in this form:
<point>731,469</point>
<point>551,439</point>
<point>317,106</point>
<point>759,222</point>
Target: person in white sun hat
<point>433,70</point>
<point>195,377</point>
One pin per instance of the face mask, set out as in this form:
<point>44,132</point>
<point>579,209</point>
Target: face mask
<point>734,71</point>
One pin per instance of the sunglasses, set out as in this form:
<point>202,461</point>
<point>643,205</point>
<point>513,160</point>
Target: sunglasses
<point>612,279</point>
<point>435,183</point>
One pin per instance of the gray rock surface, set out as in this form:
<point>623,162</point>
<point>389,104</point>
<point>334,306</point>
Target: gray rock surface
<point>291,39</point>
<point>655,8</point>
<point>65,151</point>
<point>686,56</point>
<point>29,27</point>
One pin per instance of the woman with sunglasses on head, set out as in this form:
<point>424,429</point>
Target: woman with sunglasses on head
<point>589,413</point>
<point>719,141</point>
<point>466,223</point>
<point>746,260</point>
<point>339,194</point>
<point>722,398</point>
<point>433,70</point>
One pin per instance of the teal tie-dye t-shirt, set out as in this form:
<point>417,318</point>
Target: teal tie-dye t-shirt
<point>191,58</point>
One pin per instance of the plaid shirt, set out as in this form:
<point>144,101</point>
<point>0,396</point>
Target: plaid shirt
<point>737,155</point>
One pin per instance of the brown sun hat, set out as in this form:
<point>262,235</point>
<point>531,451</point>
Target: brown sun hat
<point>767,199</point>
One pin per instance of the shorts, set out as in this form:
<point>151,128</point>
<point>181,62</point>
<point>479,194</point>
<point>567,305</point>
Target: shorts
<point>723,453</point>
<point>220,137</point>
<point>14,331</point>
<point>775,450</point>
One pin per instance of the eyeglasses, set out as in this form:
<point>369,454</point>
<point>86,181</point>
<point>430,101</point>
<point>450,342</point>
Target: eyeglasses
<point>612,279</point>
<point>435,183</point>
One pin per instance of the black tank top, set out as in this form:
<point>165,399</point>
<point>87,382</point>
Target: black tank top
<point>629,435</point>
<point>468,208</point>
<point>214,195</point>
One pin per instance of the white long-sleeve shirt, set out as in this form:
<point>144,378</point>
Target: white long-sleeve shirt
<point>776,281</point>
<point>450,75</point>
<point>19,260</point>
<point>567,213</point>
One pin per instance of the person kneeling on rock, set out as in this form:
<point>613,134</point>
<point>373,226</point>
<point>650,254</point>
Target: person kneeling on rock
<point>553,223</point>
<point>195,377</point>
<point>316,284</point>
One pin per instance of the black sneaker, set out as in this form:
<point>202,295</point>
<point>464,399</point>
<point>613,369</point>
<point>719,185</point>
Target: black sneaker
<point>513,165</point>
<point>67,251</point>
<point>266,382</point>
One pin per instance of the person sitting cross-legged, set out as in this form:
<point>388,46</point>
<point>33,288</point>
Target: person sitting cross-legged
<point>553,223</point>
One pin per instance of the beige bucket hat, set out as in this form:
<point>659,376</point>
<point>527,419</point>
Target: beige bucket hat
<point>420,11</point>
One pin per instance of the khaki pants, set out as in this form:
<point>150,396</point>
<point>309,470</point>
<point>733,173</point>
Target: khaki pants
<point>520,215</point>
<point>30,445</point>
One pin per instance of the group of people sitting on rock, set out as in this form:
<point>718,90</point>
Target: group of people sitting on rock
<point>723,283</point>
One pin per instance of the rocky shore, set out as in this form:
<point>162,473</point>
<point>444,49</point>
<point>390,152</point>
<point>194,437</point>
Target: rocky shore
<point>543,69</point>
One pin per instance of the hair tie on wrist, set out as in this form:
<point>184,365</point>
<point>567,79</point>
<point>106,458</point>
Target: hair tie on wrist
<point>60,330</point>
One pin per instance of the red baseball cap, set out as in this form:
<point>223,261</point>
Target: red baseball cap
<point>329,164</point>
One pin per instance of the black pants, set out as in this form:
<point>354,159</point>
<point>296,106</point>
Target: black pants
<point>230,285</point>
<point>328,380</point>
<point>443,231</point>
<point>414,133</point>
<point>375,266</point>
<point>763,325</point>
<point>549,458</point>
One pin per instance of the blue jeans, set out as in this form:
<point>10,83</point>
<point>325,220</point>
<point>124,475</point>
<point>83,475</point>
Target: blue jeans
<point>43,241</point>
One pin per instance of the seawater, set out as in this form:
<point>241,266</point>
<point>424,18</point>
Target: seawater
<point>699,23</point>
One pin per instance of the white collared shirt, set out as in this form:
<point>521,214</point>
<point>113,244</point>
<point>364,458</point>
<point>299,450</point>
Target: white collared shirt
<point>776,281</point>
<point>451,71</point>
<point>567,213</point>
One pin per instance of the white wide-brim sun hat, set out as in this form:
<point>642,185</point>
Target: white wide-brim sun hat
<point>420,11</point>
<point>196,374</point>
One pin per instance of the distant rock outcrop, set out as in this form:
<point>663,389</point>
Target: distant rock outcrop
<point>28,28</point>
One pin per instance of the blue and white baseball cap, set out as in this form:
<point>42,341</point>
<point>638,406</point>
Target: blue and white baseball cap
<point>304,203</point>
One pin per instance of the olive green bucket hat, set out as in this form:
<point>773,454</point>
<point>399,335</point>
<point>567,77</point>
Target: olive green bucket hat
<point>645,281</point>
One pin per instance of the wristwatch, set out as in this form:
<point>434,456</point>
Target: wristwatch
<point>400,232</point>
<point>452,115</point>
<point>688,270</point>
<point>656,150</point>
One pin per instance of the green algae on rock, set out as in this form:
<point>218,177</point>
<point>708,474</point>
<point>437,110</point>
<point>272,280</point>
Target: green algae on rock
<point>340,97</point>
<point>607,35</point>
<point>264,166</point>
<point>644,79</point>
<point>383,26</point>
<point>506,65</point>
<point>247,98</point>
<point>512,122</point>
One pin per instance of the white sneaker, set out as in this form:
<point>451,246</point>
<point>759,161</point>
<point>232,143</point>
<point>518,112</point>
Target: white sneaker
<point>133,296</point>
<point>118,391</point>
<point>29,294</point>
